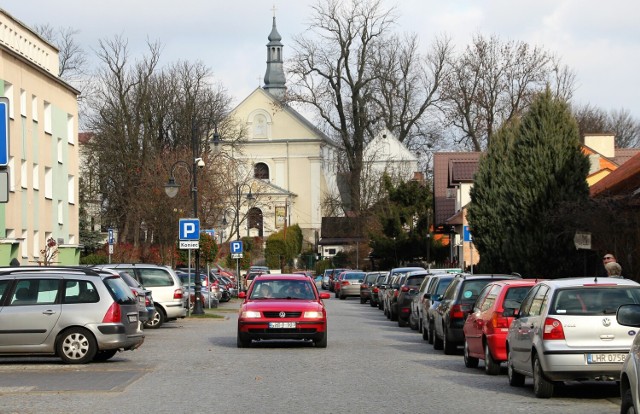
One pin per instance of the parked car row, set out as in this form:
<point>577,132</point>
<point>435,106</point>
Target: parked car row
<point>569,329</point>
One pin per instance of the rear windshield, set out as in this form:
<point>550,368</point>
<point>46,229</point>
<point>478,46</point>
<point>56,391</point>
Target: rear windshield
<point>593,300</point>
<point>119,290</point>
<point>443,284</point>
<point>471,289</point>
<point>515,296</point>
<point>353,276</point>
<point>371,277</point>
<point>415,281</point>
<point>155,277</point>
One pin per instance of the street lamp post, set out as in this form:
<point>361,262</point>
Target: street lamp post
<point>171,188</point>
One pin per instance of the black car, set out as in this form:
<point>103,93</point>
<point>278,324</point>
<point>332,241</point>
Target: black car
<point>406,293</point>
<point>438,284</point>
<point>456,304</point>
<point>366,287</point>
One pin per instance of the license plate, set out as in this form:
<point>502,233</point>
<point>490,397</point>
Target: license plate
<point>133,318</point>
<point>606,358</point>
<point>281,325</point>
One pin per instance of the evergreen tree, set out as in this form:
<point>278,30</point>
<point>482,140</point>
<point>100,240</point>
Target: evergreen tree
<point>537,167</point>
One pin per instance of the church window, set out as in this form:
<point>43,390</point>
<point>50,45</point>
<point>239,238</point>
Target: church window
<point>261,171</point>
<point>260,126</point>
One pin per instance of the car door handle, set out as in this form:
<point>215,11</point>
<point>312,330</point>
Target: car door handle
<point>49,312</point>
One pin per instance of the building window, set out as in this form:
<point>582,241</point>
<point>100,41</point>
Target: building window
<point>47,118</point>
<point>36,177</point>
<point>23,174</point>
<point>70,135</point>
<point>12,175</point>
<point>60,213</point>
<point>71,189</point>
<point>260,126</point>
<point>8,93</point>
<point>11,233</point>
<point>36,243</point>
<point>24,246</point>
<point>261,171</point>
<point>23,103</point>
<point>48,183</point>
<point>451,193</point>
<point>34,108</point>
<point>59,151</point>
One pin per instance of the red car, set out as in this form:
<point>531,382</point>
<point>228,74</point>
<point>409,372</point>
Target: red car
<point>282,307</point>
<point>486,327</point>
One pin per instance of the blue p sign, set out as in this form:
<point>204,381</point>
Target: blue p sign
<point>236,247</point>
<point>4,131</point>
<point>189,229</point>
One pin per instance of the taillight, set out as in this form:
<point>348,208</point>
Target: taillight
<point>375,290</point>
<point>135,292</point>
<point>405,289</point>
<point>459,311</point>
<point>147,301</point>
<point>396,293</point>
<point>552,329</point>
<point>499,321</point>
<point>178,294</point>
<point>113,315</point>
<point>364,286</point>
<point>345,282</point>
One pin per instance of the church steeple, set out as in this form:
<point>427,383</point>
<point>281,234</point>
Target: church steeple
<point>274,81</point>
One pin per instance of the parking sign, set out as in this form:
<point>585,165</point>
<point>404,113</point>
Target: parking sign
<point>189,229</point>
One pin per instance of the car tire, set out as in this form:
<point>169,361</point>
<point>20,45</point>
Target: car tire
<point>105,355</point>
<point>449,347</point>
<point>380,305</point>
<point>437,341</point>
<point>76,346</point>
<point>627,403</point>
<point>342,297</point>
<point>425,333</point>
<point>157,320</point>
<point>542,387</point>
<point>363,301</point>
<point>392,315</point>
<point>431,334</point>
<point>372,304</point>
<point>491,366</point>
<point>242,341</point>
<point>469,361</point>
<point>401,322</point>
<point>322,342</point>
<point>335,293</point>
<point>413,325</point>
<point>516,379</point>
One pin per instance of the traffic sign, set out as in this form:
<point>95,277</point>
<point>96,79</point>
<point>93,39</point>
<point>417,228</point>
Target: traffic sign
<point>190,244</point>
<point>110,236</point>
<point>236,247</point>
<point>467,236</point>
<point>4,131</point>
<point>189,229</point>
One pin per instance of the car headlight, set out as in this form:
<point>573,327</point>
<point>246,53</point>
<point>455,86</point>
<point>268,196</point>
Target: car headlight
<point>250,314</point>
<point>312,315</point>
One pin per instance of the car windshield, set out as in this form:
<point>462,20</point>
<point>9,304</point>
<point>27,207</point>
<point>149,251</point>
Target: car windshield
<point>282,289</point>
<point>471,289</point>
<point>593,300</point>
<point>443,284</point>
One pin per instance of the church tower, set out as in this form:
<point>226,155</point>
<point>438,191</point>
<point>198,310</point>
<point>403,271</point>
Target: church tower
<point>274,81</point>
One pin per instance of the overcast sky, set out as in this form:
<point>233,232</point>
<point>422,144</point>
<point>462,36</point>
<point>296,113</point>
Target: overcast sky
<point>599,40</point>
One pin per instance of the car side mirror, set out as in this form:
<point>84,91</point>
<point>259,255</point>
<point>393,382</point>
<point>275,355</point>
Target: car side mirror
<point>427,296</point>
<point>325,295</point>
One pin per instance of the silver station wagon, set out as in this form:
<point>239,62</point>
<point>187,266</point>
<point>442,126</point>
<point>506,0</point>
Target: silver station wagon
<point>566,330</point>
<point>79,315</point>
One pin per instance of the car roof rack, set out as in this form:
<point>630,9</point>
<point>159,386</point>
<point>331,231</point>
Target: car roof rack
<point>25,269</point>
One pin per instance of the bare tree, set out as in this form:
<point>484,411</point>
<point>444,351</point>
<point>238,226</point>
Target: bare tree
<point>592,119</point>
<point>358,77</point>
<point>71,56</point>
<point>493,81</point>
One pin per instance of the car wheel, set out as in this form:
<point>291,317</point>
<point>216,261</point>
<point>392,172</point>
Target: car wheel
<point>76,346</point>
<point>413,325</point>
<point>105,355</point>
<point>392,315</point>
<point>372,303</point>
<point>431,334</point>
<point>380,305</point>
<point>322,342</point>
<point>469,361</point>
<point>401,322</point>
<point>156,321</point>
<point>542,387</point>
<point>335,293</point>
<point>491,366</point>
<point>342,297</point>
<point>363,301</point>
<point>425,332</point>
<point>242,341</point>
<point>516,379</point>
<point>627,403</point>
<point>437,341</point>
<point>449,347</point>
